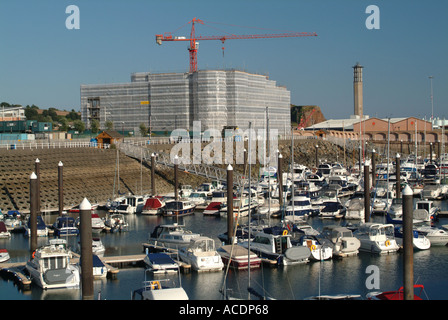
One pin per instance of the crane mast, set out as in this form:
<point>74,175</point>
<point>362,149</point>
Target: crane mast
<point>194,45</point>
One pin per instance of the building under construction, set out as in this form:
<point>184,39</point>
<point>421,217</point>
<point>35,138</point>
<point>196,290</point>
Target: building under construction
<point>219,99</point>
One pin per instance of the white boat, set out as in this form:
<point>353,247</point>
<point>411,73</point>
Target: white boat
<point>185,190</point>
<point>178,208</point>
<point>65,226</point>
<point>238,257</point>
<point>213,209</point>
<point>202,255</point>
<point>342,239</point>
<point>50,266</point>
<point>355,209</point>
<point>271,207</point>
<point>172,235</point>
<point>4,255</point>
<point>299,208</point>
<point>429,207</point>
<point>123,209</point>
<point>377,238</point>
<point>319,251</point>
<point>160,263</point>
<point>116,222</point>
<point>274,243</point>
<point>241,207</point>
<point>199,198</point>
<point>98,247</point>
<point>164,289</point>
<point>153,206</point>
<point>432,191</point>
<point>332,209</point>
<point>437,236</point>
<point>4,233</point>
<point>99,268</point>
<point>419,241</point>
<point>42,230</point>
<point>97,223</point>
<point>395,210</point>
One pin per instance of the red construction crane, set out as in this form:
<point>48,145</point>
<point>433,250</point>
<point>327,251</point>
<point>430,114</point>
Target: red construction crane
<point>193,49</point>
<point>304,120</point>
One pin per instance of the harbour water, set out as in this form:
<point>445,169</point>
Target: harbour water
<point>348,275</point>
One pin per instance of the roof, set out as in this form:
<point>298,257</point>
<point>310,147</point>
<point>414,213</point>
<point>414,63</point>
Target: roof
<point>112,133</point>
<point>347,124</point>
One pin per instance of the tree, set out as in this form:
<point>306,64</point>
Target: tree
<point>64,124</point>
<point>109,125</point>
<point>79,126</point>
<point>95,126</point>
<point>143,130</point>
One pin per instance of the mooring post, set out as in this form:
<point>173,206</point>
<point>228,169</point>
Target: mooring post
<point>33,212</point>
<point>230,216</point>
<point>366,192</point>
<point>373,167</point>
<point>398,175</point>
<point>37,172</point>
<point>85,215</point>
<point>430,152</point>
<point>153,170</point>
<point>61,187</point>
<point>176,165</point>
<point>280,180</point>
<point>317,156</point>
<point>408,249</point>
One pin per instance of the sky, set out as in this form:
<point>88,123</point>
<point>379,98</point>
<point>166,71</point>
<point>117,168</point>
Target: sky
<point>42,62</point>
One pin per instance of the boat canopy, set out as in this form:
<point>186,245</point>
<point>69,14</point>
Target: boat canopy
<point>153,203</point>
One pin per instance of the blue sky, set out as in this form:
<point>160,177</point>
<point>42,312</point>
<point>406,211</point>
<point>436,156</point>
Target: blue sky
<point>44,63</point>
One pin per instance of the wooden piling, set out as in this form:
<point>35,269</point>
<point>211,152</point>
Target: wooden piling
<point>230,216</point>
<point>280,180</point>
<point>176,169</point>
<point>366,192</point>
<point>397,174</point>
<point>60,187</point>
<point>373,167</point>
<point>408,248</point>
<point>86,249</point>
<point>153,177</point>
<point>37,172</point>
<point>33,211</point>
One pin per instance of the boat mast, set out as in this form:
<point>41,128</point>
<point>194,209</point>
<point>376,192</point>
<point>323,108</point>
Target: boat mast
<point>250,199</point>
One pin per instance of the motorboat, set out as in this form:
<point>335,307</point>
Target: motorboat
<point>274,243</point>
<point>12,221</point>
<point>238,257</point>
<point>42,230</point>
<point>185,190</point>
<point>160,263</point>
<point>153,206</point>
<point>207,187</point>
<point>99,268</point>
<point>437,236</point>
<point>355,209</point>
<point>241,207</point>
<point>116,222</point>
<point>50,266</point>
<point>4,233</point>
<point>431,209</point>
<point>4,255</point>
<point>178,208</point>
<point>301,228</point>
<point>395,295</point>
<point>395,210</point>
<point>135,203</point>
<point>319,250</point>
<point>65,226</point>
<point>377,238</point>
<point>199,198</point>
<point>123,209</point>
<point>271,207</point>
<point>212,209</point>
<point>164,289</point>
<point>342,240</point>
<point>332,209</point>
<point>98,247</point>
<point>299,208</point>
<point>202,255</point>
<point>432,191</point>
<point>419,241</point>
<point>97,223</point>
<point>172,235</point>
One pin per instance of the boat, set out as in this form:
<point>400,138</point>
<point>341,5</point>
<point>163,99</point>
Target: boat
<point>432,191</point>
<point>377,238</point>
<point>271,207</point>
<point>65,226</point>
<point>97,223</point>
<point>178,208</point>
<point>164,289</point>
<point>332,209</point>
<point>342,240</point>
<point>42,230</point>
<point>12,221</point>
<point>395,211</point>
<point>98,247</point>
<point>299,208</point>
<point>395,295</point>
<point>4,255</point>
<point>4,233</point>
<point>123,209</point>
<point>241,207</point>
<point>274,243</point>
<point>199,199</point>
<point>201,255</point>
<point>116,222</point>
<point>160,263</point>
<point>437,236</point>
<point>153,206</point>
<point>171,235</point>
<point>419,241</point>
<point>355,209</point>
<point>319,250</point>
<point>185,190</point>
<point>341,296</point>
<point>431,209</point>
<point>213,209</point>
<point>50,266</point>
<point>99,268</point>
<point>238,257</point>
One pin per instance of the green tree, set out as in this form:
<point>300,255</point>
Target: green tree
<point>64,124</point>
<point>95,126</point>
<point>109,125</point>
<point>79,126</point>
<point>143,130</point>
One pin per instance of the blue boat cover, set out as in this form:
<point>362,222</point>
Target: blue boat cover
<point>160,258</point>
<point>97,262</point>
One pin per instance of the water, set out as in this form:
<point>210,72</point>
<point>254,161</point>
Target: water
<point>346,275</point>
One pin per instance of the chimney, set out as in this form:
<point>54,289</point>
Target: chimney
<point>357,89</point>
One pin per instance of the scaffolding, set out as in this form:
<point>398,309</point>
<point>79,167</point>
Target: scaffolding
<point>219,99</point>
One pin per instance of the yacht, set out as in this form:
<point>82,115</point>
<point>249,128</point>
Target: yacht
<point>274,243</point>
<point>160,263</point>
<point>116,222</point>
<point>97,223</point>
<point>178,208</point>
<point>65,226</point>
<point>4,233</point>
<point>4,255</point>
<point>437,236</point>
<point>50,266</point>
<point>164,289</point>
<point>241,207</point>
<point>319,250</point>
<point>419,241</point>
<point>202,255</point>
<point>342,240</point>
<point>42,230</point>
<point>429,207</point>
<point>238,257</point>
<point>171,235</point>
<point>299,208</point>
<point>332,209</point>
<point>153,206</point>
<point>377,238</point>
<point>355,209</point>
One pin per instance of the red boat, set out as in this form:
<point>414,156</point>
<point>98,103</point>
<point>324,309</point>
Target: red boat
<point>395,295</point>
<point>212,209</point>
<point>238,257</point>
